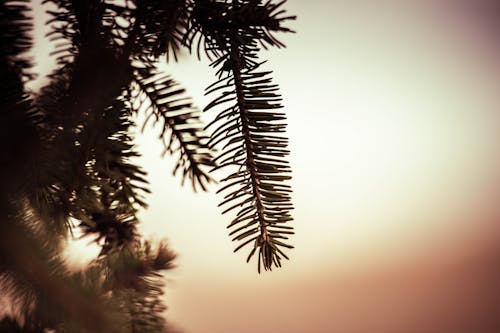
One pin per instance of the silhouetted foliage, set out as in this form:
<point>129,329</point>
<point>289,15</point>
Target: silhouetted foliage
<point>67,157</point>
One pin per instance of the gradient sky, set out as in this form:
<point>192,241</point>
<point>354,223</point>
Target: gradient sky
<point>394,125</point>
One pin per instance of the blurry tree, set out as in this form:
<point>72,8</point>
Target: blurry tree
<point>67,151</point>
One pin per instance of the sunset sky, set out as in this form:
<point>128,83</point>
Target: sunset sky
<point>394,122</point>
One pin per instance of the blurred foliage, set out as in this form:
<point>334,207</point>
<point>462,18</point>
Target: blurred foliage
<point>68,156</point>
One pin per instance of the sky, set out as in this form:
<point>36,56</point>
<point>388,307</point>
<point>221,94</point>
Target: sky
<point>393,114</point>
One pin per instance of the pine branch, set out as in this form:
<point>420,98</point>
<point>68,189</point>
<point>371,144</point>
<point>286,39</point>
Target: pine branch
<point>249,126</point>
<point>160,23</point>
<point>87,124</point>
<point>134,277</point>
<point>182,129</point>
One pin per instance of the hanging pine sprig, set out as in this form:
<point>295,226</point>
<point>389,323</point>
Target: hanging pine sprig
<point>249,126</point>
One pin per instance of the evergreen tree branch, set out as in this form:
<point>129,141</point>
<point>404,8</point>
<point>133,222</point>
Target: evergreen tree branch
<point>180,120</point>
<point>249,125</point>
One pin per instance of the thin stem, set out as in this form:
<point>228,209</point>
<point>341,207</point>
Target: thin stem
<point>249,149</point>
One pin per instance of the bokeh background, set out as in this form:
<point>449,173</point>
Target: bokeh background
<point>394,123</point>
